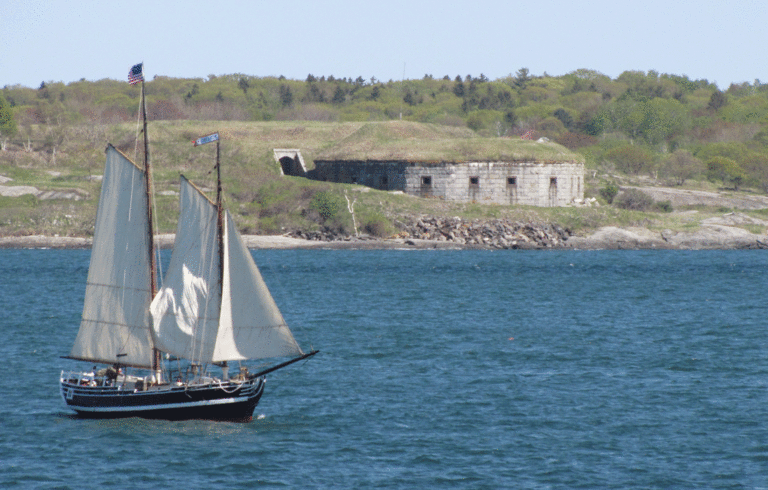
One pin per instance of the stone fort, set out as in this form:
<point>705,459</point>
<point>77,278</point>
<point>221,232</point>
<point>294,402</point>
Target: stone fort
<point>544,184</point>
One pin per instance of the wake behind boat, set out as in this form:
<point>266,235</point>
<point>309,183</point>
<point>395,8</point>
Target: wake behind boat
<point>213,309</point>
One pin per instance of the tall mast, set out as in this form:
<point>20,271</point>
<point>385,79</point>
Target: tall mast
<point>220,216</point>
<point>150,226</point>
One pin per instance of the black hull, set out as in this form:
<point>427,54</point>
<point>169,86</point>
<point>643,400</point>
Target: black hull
<point>227,401</point>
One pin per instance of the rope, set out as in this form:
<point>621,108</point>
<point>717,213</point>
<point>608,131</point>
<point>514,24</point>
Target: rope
<point>237,387</point>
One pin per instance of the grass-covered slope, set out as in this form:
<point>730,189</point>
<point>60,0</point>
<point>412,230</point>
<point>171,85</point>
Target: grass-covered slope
<point>409,141</point>
<point>66,161</point>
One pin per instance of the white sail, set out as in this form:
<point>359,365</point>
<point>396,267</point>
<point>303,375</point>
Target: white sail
<point>115,326</point>
<point>186,309</point>
<point>204,315</point>
<point>251,325</point>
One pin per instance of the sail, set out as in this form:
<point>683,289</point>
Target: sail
<point>251,325</point>
<point>186,309</point>
<point>205,315</point>
<point>115,326</point>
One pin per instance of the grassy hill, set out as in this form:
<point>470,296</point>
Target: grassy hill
<point>66,160</point>
<point>409,141</point>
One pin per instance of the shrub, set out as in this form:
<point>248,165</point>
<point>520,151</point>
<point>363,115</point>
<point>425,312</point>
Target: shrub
<point>633,199</point>
<point>378,226</point>
<point>630,159</point>
<point>565,117</point>
<point>609,192</point>
<point>327,204</point>
<point>664,206</point>
<point>727,170</point>
<point>682,165</point>
<point>475,122</point>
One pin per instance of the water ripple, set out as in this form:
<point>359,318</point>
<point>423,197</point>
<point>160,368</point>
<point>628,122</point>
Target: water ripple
<point>449,369</point>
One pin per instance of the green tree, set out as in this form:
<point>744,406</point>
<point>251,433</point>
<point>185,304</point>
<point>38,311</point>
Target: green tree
<point>314,94</point>
<point>458,88</point>
<point>564,117</point>
<point>409,98</point>
<point>244,85</point>
<point>736,151</point>
<point>8,125</point>
<point>726,170</point>
<point>338,95</point>
<point>630,159</point>
<point>510,118</point>
<point>756,168</point>
<point>717,101</point>
<point>663,118</point>
<point>682,165</point>
<point>286,96</point>
<point>522,77</point>
<point>654,120</point>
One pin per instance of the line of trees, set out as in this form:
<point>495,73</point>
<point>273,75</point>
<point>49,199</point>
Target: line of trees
<point>639,123</point>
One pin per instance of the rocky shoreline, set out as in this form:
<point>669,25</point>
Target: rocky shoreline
<point>721,233</point>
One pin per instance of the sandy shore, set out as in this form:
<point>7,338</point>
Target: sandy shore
<point>252,241</point>
<point>717,235</point>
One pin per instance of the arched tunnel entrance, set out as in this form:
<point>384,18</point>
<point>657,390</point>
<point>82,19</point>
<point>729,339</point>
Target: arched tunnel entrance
<point>291,162</point>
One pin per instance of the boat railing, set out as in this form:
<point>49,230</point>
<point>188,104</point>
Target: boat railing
<point>77,377</point>
<point>97,379</point>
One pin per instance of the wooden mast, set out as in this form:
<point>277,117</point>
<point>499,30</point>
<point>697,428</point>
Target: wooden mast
<point>220,226</point>
<point>150,225</point>
<point>219,217</point>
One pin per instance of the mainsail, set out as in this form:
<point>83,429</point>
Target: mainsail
<point>115,326</point>
<point>208,315</point>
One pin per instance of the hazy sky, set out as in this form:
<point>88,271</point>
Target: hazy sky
<point>65,41</point>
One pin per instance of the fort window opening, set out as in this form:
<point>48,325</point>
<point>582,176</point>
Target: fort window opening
<point>553,181</point>
<point>426,180</point>
<point>511,180</point>
<point>474,181</point>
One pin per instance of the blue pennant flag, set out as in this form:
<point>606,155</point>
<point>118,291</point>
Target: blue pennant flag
<point>207,139</point>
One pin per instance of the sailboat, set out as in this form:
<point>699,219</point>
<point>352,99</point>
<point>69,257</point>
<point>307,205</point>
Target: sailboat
<point>167,353</point>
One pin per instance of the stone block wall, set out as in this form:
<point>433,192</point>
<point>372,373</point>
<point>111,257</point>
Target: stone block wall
<point>542,184</point>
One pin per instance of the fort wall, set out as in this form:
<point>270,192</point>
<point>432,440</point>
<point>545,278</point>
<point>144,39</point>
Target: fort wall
<point>544,184</point>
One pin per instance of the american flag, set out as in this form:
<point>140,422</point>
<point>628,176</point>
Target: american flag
<point>135,75</point>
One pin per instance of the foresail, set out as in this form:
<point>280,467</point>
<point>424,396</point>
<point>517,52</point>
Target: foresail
<point>251,325</point>
<point>115,326</point>
<point>208,316</point>
<point>186,309</point>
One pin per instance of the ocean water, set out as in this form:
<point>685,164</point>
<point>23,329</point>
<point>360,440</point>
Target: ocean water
<point>438,369</point>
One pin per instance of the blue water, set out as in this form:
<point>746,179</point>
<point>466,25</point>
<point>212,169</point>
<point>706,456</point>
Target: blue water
<point>438,369</point>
